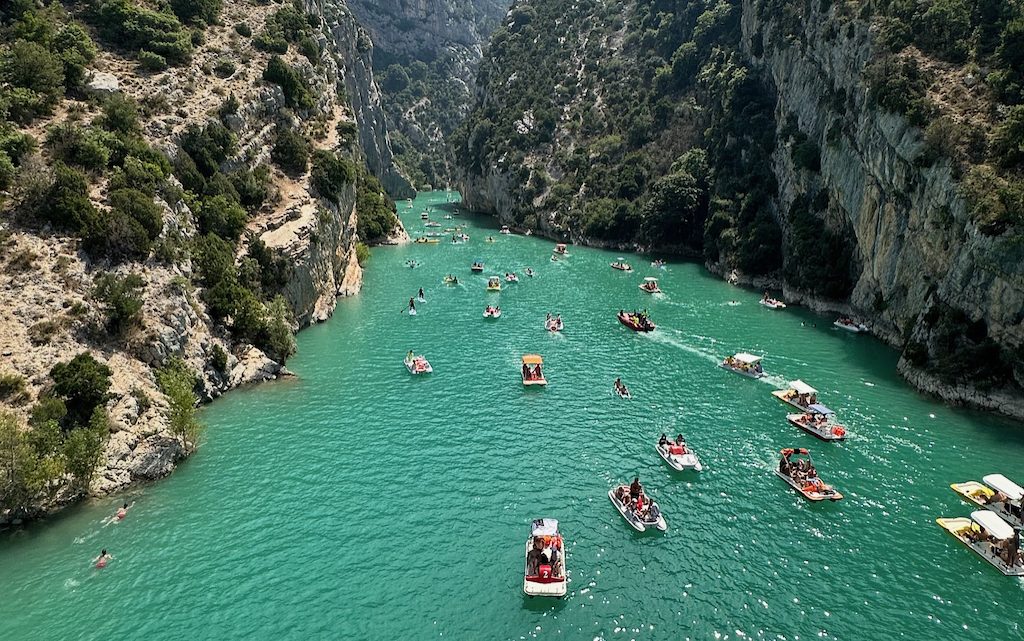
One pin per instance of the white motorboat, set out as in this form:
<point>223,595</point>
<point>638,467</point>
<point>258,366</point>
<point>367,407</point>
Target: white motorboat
<point>492,312</point>
<point>772,303</point>
<point>650,286</point>
<point>650,517</point>
<point>850,325</point>
<point>554,324</point>
<point>417,364</point>
<point>679,457</point>
<point>819,425</point>
<point>545,573</point>
<point>744,364</point>
<point>504,230</point>
<point>997,494</point>
<point>990,537</point>
<point>511,278</point>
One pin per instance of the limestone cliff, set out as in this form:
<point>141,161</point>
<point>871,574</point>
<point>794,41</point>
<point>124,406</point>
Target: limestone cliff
<point>46,282</point>
<point>917,250</point>
<point>846,190</point>
<point>445,40</point>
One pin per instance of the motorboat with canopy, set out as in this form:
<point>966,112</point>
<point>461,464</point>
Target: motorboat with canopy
<point>803,397</point>
<point>650,285</point>
<point>640,515</point>
<point>621,265</point>
<point>560,249</point>
<point>504,230</point>
<point>990,537</point>
<point>997,494</point>
<point>678,455</point>
<point>797,470</point>
<point>477,266</point>
<point>637,321</point>
<point>493,284</point>
<point>744,364</point>
<point>417,364</point>
<point>423,240</point>
<point>545,573</point>
<point>532,373</point>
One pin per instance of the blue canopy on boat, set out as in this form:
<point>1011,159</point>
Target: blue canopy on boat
<point>818,408</point>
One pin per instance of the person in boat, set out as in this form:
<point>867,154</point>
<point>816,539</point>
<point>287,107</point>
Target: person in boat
<point>526,372</point>
<point>558,320</point>
<point>635,489</point>
<point>410,356</point>
<point>536,372</point>
<point>785,466</point>
<point>663,441</point>
<point>653,512</point>
<point>535,556</point>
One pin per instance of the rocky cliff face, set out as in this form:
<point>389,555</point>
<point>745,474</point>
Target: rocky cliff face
<point>917,249</point>
<point>46,292</point>
<point>350,46</point>
<point>447,38</point>
<point>845,174</point>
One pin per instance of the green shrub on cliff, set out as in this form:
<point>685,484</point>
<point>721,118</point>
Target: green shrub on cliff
<point>121,299</point>
<point>331,174</point>
<point>290,151</point>
<point>375,211</point>
<point>128,24</point>
<point>297,93</point>
<point>83,384</point>
<point>178,383</point>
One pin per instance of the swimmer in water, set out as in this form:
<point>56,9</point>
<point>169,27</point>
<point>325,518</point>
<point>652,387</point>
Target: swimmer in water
<point>122,511</point>
<point>102,559</point>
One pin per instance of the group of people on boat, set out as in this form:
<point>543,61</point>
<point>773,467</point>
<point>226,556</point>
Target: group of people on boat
<point>622,266</point>
<point>819,421</point>
<point>678,446</point>
<point>804,475</point>
<point>735,363</point>
<point>553,323</point>
<point>544,559</point>
<point>534,374</point>
<point>510,277</point>
<point>635,501</point>
<point>492,311</point>
<point>1008,550</point>
<point>451,280</point>
<point>641,320</point>
<point>803,400</point>
<point>767,299</point>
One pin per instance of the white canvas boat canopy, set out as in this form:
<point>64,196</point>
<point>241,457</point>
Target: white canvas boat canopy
<point>1006,486</point>
<point>649,279</point>
<point>802,387</point>
<point>749,359</point>
<point>994,525</point>
<point>545,527</point>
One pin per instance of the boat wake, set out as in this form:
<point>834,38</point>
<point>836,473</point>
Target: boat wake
<point>664,338</point>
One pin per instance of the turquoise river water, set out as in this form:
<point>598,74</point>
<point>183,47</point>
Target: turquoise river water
<point>359,502</point>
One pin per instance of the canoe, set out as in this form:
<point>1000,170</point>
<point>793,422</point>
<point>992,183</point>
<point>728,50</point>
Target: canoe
<point>679,462</point>
<point>638,524</point>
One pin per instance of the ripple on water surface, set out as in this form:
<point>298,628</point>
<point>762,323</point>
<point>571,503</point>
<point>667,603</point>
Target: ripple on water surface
<point>360,502</point>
